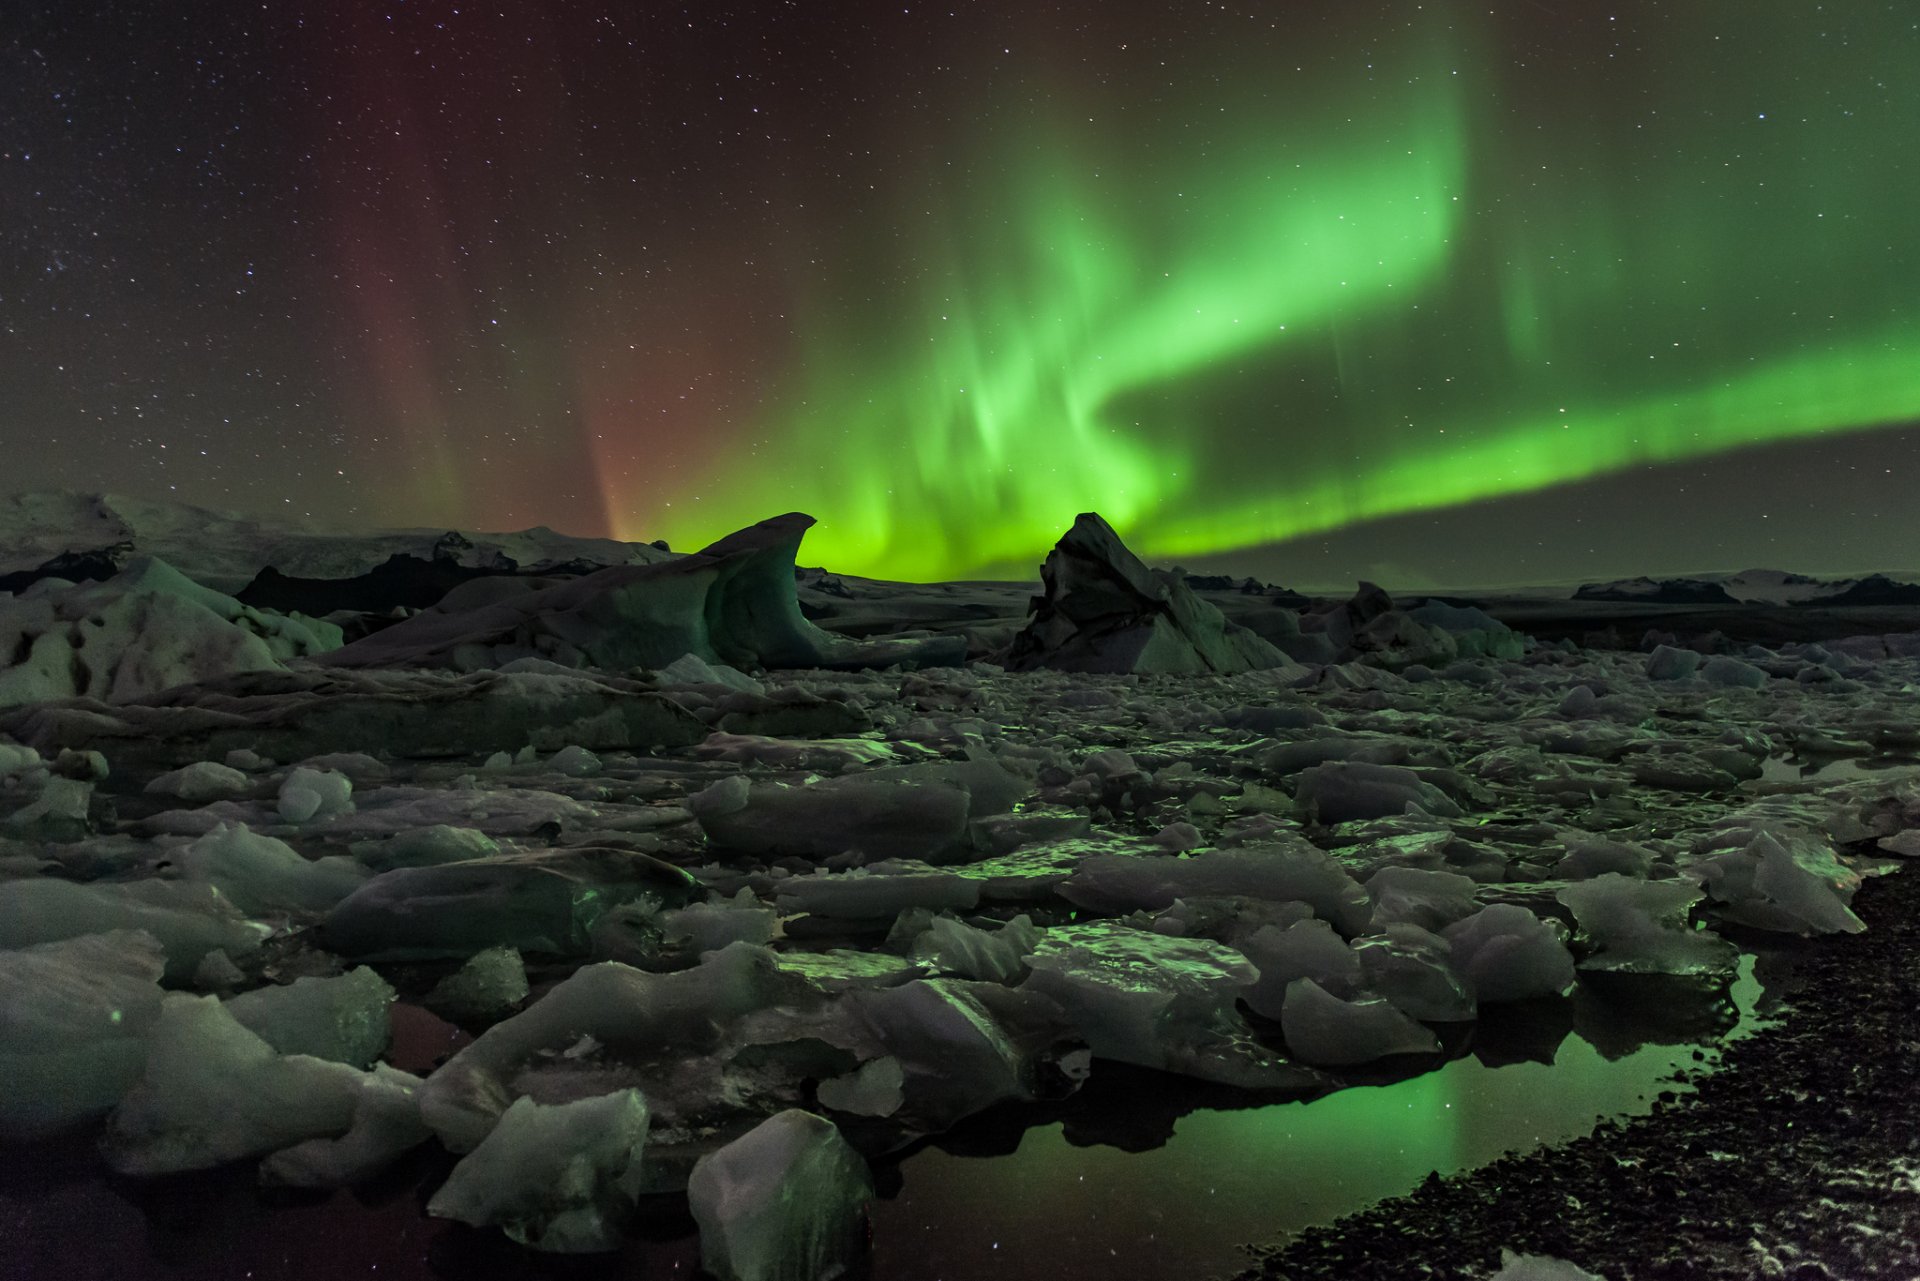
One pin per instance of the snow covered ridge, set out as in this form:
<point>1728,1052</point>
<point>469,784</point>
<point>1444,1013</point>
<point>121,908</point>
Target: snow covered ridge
<point>1758,586</point>
<point>734,933</point>
<point>226,550</point>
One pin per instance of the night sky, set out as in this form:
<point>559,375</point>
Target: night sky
<point>1429,292</point>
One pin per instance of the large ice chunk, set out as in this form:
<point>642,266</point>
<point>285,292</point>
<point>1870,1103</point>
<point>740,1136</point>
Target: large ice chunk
<point>1231,920</point>
<point>1428,898</point>
<point>1104,611</point>
<point>487,987</point>
<point>1000,956</point>
<point>59,813</point>
<point>1789,880</point>
<point>310,794</point>
<point>1160,1002</point>
<point>1340,791</point>
<point>1594,856</point>
<point>212,1092</point>
<point>963,1046</point>
<point>878,891</point>
<point>1508,954</point>
<point>1293,871</point>
<point>784,1202</point>
<point>875,1088</point>
<point>1413,969</point>
<point>1306,949</point>
<point>910,811</point>
<point>189,920</point>
<point>1666,663</point>
<point>563,1178</point>
<point>733,601</point>
<point>1641,927</point>
<point>386,1124</point>
<point>343,1018</point>
<point>1323,1029</point>
<point>547,902</point>
<point>201,781</point>
<point>607,1014</point>
<point>146,629</point>
<point>261,874</point>
<point>710,926</point>
<point>74,1017</point>
<point>424,847</point>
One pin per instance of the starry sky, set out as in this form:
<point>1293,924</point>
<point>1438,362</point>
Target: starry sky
<point>1434,293</point>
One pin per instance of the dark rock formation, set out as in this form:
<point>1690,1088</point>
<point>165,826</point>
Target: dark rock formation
<point>1248,586</point>
<point>1370,601</point>
<point>403,582</point>
<point>457,547</point>
<point>1104,611</point>
<point>571,568</point>
<point>95,566</point>
<point>1371,626</point>
<point>1875,589</point>
<point>1663,591</point>
<point>1344,625</point>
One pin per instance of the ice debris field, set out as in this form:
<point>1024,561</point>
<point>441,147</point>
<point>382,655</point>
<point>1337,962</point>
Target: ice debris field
<point>734,885</point>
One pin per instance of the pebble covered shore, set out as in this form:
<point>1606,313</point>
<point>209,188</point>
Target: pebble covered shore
<point>1799,1158</point>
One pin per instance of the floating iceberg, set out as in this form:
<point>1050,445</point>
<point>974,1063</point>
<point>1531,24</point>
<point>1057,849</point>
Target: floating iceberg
<point>783,1202</point>
<point>563,1178</point>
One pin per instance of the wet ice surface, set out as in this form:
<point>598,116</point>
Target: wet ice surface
<point>912,903</point>
<point>1130,1177</point>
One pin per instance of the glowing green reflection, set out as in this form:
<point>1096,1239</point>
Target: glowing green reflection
<point>1258,1174</point>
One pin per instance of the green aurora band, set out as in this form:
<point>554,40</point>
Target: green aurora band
<point>1312,297</point>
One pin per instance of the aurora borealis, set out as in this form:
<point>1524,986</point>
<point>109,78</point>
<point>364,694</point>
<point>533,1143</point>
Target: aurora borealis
<point>1586,287</point>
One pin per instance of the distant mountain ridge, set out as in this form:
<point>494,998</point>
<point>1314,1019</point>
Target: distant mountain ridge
<point>1656,591</point>
<point>1875,589</point>
<point>1757,587</point>
<point>226,550</point>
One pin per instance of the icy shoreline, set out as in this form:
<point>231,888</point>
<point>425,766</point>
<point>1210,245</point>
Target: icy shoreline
<point>1097,846</point>
<point>1796,1158</point>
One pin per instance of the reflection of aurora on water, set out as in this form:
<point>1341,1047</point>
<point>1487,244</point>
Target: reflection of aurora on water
<point>1228,1178</point>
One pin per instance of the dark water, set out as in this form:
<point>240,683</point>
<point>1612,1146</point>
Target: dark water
<point>1141,1174</point>
<point>1224,1178</point>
